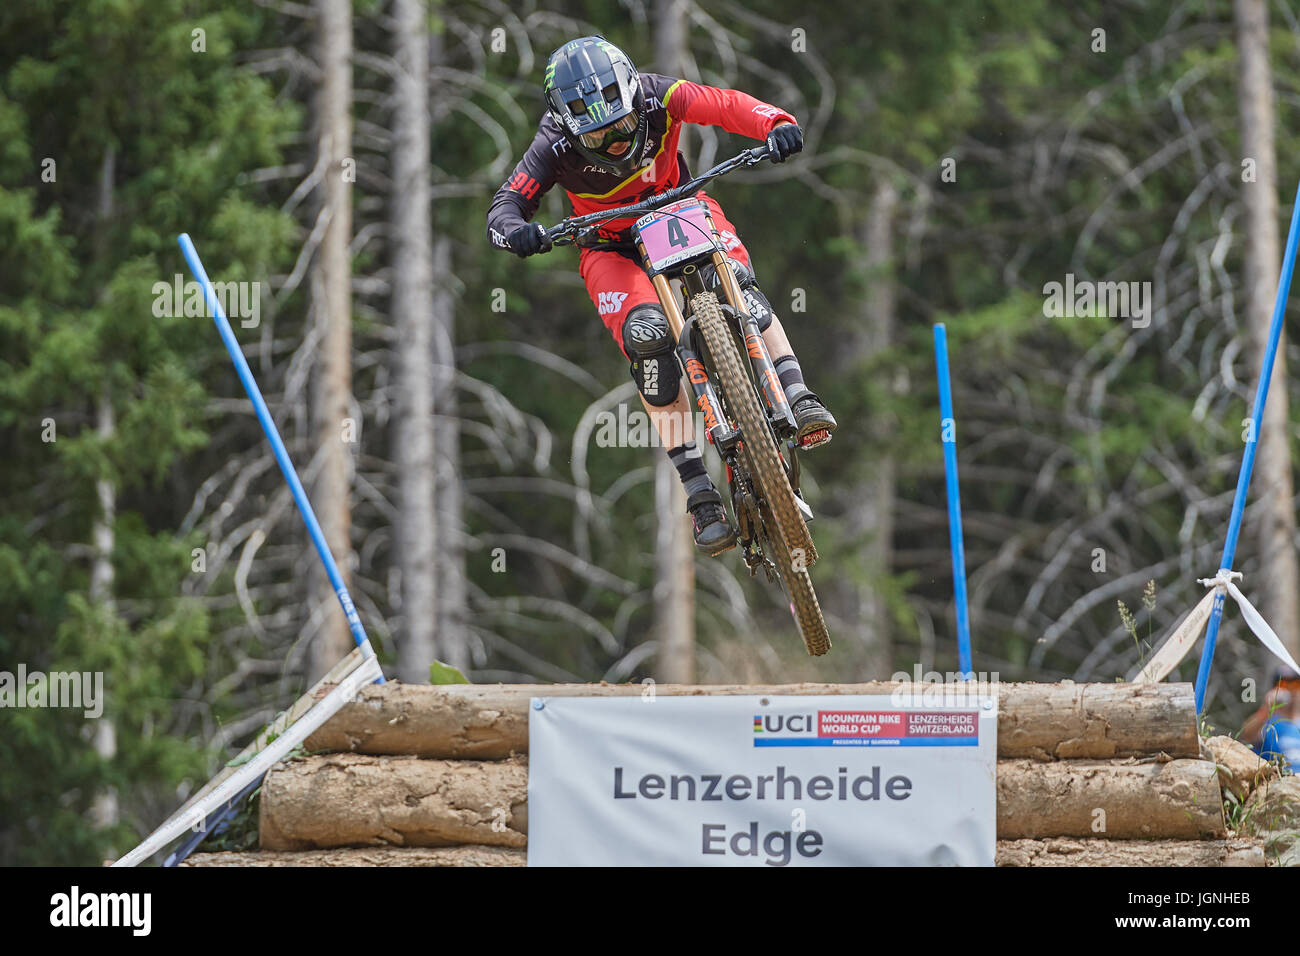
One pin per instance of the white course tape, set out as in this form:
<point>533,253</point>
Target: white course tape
<point>1254,620</point>
<point>194,816</point>
<point>1180,642</point>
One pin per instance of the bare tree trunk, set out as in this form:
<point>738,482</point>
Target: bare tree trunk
<point>332,294</point>
<point>412,302</point>
<point>671,37</point>
<point>674,589</point>
<point>453,584</point>
<point>104,808</point>
<point>453,642</point>
<point>1279,587</point>
<point>877,515</point>
<point>868,520</point>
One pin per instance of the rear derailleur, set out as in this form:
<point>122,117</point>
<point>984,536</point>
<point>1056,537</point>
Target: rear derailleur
<point>749,524</point>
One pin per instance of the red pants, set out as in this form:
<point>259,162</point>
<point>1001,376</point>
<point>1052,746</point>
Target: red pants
<point>617,284</point>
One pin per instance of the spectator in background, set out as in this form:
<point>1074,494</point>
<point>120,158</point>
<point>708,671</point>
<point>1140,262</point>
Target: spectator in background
<point>1274,730</point>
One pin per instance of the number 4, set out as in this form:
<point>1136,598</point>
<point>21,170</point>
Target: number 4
<point>676,237</point>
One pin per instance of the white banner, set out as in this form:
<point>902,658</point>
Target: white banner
<point>762,781</point>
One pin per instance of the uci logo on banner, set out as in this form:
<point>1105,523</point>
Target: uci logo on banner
<point>863,728</point>
<point>791,723</point>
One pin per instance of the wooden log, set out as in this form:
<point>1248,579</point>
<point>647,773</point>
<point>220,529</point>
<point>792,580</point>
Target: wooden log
<point>1272,814</point>
<point>340,800</point>
<point>1097,721</point>
<point>1063,851</point>
<point>1055,852</point>
<point>1116,800</point>
<point>353,800</point>
<point>370,856</point>
<point>1037,721</point>
<point>1241,770</point>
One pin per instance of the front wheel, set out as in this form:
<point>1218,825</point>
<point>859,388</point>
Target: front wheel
<point>786,532</point>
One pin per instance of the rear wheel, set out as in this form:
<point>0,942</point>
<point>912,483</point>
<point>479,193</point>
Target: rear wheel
<point>788,539</point>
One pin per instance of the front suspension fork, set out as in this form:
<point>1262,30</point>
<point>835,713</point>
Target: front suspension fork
<point>720,432</point>
<point>759,358</point>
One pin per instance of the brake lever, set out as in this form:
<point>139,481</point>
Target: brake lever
<point>559,235</point>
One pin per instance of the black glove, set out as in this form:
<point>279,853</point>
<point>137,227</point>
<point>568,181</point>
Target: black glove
<point>784,141</point>
<point>528,240</point>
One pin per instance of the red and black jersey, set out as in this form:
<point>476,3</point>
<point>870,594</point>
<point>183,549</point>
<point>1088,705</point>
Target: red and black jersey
<point>551,160</point>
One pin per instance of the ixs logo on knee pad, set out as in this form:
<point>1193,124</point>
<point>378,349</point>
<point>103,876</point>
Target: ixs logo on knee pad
<point>756,307</point>
<point>609,303</point>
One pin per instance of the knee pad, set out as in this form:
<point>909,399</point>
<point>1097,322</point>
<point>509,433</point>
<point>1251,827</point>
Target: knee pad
<point>648,344</point>
<point>759,307</point>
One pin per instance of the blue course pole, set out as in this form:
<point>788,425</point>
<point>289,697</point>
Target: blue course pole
<point>277,446</point>
<point>948,434</point>
<point>1248,460</point>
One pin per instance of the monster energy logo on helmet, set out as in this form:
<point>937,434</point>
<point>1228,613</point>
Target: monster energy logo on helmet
<point>593,93</point>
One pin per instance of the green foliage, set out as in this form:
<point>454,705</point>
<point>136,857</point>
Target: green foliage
<point>98,87</point>
<point>440,673</point>
<point>240,832</point>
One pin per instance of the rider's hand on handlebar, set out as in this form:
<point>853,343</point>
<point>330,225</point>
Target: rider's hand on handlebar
<point>784,141</point>
<point>528,240</point>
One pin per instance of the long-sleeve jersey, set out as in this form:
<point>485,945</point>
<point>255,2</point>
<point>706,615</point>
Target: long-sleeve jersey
<point>551,159</point>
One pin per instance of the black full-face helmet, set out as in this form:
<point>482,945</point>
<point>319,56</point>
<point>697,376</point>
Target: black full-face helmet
<point>593,92</point>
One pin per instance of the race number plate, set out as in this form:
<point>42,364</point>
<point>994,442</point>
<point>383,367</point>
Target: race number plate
<point>676,232</point>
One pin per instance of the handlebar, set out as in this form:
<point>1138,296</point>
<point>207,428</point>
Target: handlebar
<point>572,230</point>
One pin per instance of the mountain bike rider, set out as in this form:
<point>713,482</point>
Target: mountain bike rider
<point>609,138</point>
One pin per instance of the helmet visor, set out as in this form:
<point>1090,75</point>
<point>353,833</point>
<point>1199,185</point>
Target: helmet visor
<point>616,132</point>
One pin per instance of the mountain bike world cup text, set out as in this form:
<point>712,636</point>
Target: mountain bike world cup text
<point>844,727</point>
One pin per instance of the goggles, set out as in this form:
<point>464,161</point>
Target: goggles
<point>616,132</point>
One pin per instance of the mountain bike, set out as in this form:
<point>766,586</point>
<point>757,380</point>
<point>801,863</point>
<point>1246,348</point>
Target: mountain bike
<point>731,375</point>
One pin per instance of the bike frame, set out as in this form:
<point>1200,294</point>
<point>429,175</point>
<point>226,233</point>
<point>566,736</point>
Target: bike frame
<point>681,324</point>
<point>765,513</point>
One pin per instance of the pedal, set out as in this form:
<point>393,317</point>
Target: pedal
<point>814,438</point>
<point>723,550</point>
